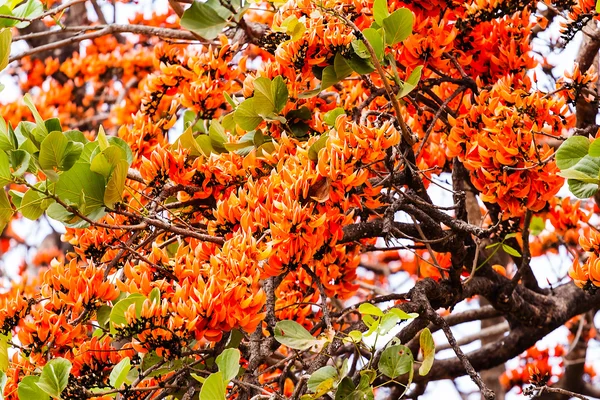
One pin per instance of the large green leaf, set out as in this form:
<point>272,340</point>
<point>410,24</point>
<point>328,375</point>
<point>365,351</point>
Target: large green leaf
<point>58,152</point>
<point>587,170</point>
<point>29,390</point>
<point>294,335</point>
<point>213,387</point>
<point>81,186</point>
<point>395,361</point>
<point>245,115</point>
<point>229,363</point>
<point>269,96</point>
<point>571,151</point>
<point>581,189</point>
<point>398,26</point>
<point>55,376</point>
<point>380,11</point>
<point>203,20</point>
<point>32,204</point>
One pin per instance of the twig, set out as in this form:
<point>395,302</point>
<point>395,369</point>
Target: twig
<point>319,284</point>
<point>436,319</point>
<point>526,256</point>
<point>102,30</point>
<point>564,392</point>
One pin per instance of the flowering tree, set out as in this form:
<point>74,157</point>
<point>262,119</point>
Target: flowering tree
<point>245,186</point>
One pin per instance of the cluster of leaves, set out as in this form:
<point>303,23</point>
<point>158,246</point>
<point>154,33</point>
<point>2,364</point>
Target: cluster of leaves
<point>395,358</point>
<point>579,162</point>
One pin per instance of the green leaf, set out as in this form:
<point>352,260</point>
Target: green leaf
<point>376,40</point>
<point>6,210</point>
<point>597,6</point>
<point>372,324</point>
<point>188,141</point>
<point>31,10</point>
<point>5,42</point>
<point>428,349</point>
<point>269,96</point>
<point>19,160</point>
<point>16,197</point>
<point>246,117</point>
<point>310,93</point>
<point>571,151</point>
<point>213,387</point>
<point>388,322</point>
<point>331,116</point>
<point>581,189</point>
<point>5,175</point>
<point>402,314</point>
<point>29,390</point>
<point>39,121</point>
<point>344,389</point>
<point>217,136</point>
<point>78,180</point>
<point>117,314</point>
<point>411,83</point>
<point>154,296</point>
<point>360,65</point>
<point>205,144</point>
<point>116,184</point>
<point>53,124</point>
<point>537,225</point>
<point>398,26</point>
<point>313,150</point>
<point>333,74</point>
<point>294,335</point>
<point>3,353</point>
<point>76,136</point>
<point>594,149</point>
<point>510,250</point>
<point>203,20</point>
<point>119,373</point>
<point>395,361</point>
<point>319,376</point>
<point>380,11</point>
<point>103,315</point>
<point>104,162</point>
<point>370,309</point>
<point>587,170</point>
<point>52,151</point>
<point>31,204</point>
<point>355,336</point>
<point>55,376</point>
<point>302,113</point>
<point>120,143</point>
<point>229,363</point>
